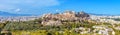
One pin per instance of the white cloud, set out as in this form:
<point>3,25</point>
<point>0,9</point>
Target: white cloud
<point>17,10</point>
<point>14,4</point>
<point>57,10</point>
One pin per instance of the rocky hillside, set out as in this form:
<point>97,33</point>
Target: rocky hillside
<point>58,19</point>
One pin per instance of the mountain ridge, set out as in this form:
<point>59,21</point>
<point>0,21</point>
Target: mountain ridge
<point>103,14</point>
<point>2,13</point>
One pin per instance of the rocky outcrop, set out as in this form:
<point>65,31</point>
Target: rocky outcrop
<point>66,16</point>
<point>82,30</point>
<point>51,23</point>
<point>103,30</point>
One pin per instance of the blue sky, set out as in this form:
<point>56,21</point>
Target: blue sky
<point>54,6</point>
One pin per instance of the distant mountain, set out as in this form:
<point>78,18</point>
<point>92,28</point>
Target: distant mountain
<point>102,14</point>
<point>2,13</point>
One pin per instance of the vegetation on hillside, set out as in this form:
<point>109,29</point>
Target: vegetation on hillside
<point>36,28</point>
